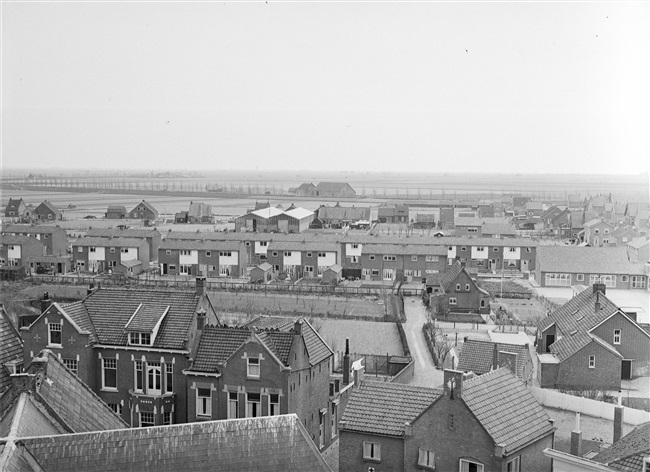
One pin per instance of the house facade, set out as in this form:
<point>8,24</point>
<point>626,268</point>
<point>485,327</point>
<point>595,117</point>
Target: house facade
<point>116,212</point>
<point>129,346</point>
<point>152,236</point>
<point>54,238</point>
<point>589,343</point>
<point>15,251</point>
<point>461,293</point>
<point>98,255</point>
<point>46,211</point>
<point>202,257</point>
<point>144,211</point>
<point>248,373</point>
<point>598,233</point>
<point>486,423</point>
<point>15,208</point>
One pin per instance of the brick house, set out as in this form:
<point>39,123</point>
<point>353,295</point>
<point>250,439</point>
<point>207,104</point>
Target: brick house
<point>407,262</point>
<point>15,208</point>
<point>339,216</point>
<point>565,266</point>
<point>393,213</point>
<point>299,259</point>
<point>53,237</point>
<point>476,423</point>
<point>11,354</point>
<point>144,211</point>
<point>490,254</point>
<point>461,293</point>
<point>152,236</point>
<point>623,235</point>
<point>116,212</point>
<point>129,346</point>
<point>16,250</point>
<point>47,212</point>
<point>589,343</point>
<point>202,257</point>
<point>557,221</point>
<point>598,233</point>
<point>638,250</point>
<point>97,255</point>
<point>251,372</point>
<point>480,357</point>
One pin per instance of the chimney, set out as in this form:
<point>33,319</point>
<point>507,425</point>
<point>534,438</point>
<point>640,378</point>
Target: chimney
<point>618,419</point>
<point>200,286</point>
<point>46,302</point>
<point>576,438</point>
<point>346,363</point>
<point>200,319</point>
<point>297,327</point>
<point>499,450</point>
<point>453,383</point>
<point>495,357</point>
<point>599,287</point>
<point>358,376</point>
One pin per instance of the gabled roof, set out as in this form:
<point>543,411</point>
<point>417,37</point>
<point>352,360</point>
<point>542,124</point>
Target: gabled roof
<point>31,229</point>
<point>147,205</point>
<point>317,348</point>
<point>384,408</point>
<point>216,346</point>
<point>451,275</point>
<point>131,263</point>
<point>336,268</point>
<point>108,242</point>
<point>331,186</point>
<point>627,453</point>
<point>344,213</point>
<point>268,212</point>
<point>305,186</point>
<point>14,203</point>
<point>596,221</point>
<point>283,323</point>
<point>506,409</point>
<point>207,244</point>
<point>110,309</point>
<point>79,315</point>
<point>48,206</point>
<point>586,260</point>
<point>18,240</point>
<point>299,213</point>
<point>570,343</point>
<point>404,249</point>
<point>120,208</point>
<point>638,243</point>
<point>123,233</point>
<point>199,209</point>
<point>265,266</point>
<point>313,246</point>
<point>272,443</point>
<point>11,347</point>
<point>478,356</point>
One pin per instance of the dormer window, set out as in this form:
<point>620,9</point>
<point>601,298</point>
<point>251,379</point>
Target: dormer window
<point>140,339</point>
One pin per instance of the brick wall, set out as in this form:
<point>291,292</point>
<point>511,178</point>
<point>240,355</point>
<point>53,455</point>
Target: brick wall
<point>351,453</point>
<point>574,373</point>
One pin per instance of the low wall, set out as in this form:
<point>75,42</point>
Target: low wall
<point>585,406</point>
<point>406,374</point>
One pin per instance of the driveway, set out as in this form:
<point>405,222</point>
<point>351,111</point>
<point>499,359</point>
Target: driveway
<point>426,374</point>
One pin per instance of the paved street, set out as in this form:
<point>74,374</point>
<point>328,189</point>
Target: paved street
<point>426,374</point>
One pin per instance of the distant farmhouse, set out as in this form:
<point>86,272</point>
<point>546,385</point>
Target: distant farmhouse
<point>197,213</point>
<point>325,189</point>
<point>46,211</point>
<point>116,212</point>
<point>144,211</point>
<point>339,216</point>
<point>270,219</point>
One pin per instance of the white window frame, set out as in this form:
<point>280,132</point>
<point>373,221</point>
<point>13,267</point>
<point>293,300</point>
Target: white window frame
<point>580,277</point>
<point>371,257</point>
<point>514,465</point>
<point>453,301</point>
<point>463,465</point>
<point>253,405</point>
<point>203,402</point>
<point>72,365</point>
<point>371,451</point>
<point>414,258</point>
<point>253,367</point>
<point>617,336</point>
<point>274,406</point>
<point>426,458</point>
<point>168,252</point>
<point>54,327</point>
<point>233,405</point>
<point>592,362</point>
<point>153,418</point>
<point>112,365</point>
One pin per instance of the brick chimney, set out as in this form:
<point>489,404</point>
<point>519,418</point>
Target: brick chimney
<point>346,363</point>
<point>200,319</point>
<point>576,438</point>
<point>618,419</point>
<point>495,357</point>
<point>453,383</point>
<point>45,302</point>
<point>200,286</point>
<point>599,287</point>
<point>297,327</point>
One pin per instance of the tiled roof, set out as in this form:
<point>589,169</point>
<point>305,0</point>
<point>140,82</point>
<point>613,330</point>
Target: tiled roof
<point>265,266</point>
<point>627,453</point>
<point>506,409</point>
<point>146,317</point>
<point>498,228</point>
<point>199,209</point>
<point>11,347</point>
<point>272,443</point>
<point>331,186</point>
<point>336,268</point>
<point>111,308</point>
<point>49,206</point>
<point>451,275</point>
<point>317,349</point>
<point>384,408</point>
<point>404,249</point>
<point>120,208</point>
<point>477,356</point>
<point>77,311</point>
<point>147,205</point>
<point>90,241</point>
<point>131,263</point>
<point>344,213</point>
<point>586,260</point>
<point>269,212</point>
<point>314,246</point>
<point>31,229</point>
<point>216,346</point>
<point>279,342</point>
<point>299,213</point>
<point>18,240</point>
<point>570,343</point>
<point>122,233</point>
<point>638,243</point>
<point>283,323</point>
<point>201,245</point>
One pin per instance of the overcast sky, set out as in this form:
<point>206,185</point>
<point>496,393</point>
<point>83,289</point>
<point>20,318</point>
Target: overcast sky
<point>437,87</point>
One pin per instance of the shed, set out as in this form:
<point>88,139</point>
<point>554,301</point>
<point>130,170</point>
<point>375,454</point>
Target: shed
<point>129,268</point>
<point>333,274</point>
<point>263,273</point>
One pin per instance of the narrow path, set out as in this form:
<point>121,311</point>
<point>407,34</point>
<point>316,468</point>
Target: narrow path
<point>426,374</point>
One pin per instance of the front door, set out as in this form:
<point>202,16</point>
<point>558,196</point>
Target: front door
<point>524,264</point>
<point>626,370</point>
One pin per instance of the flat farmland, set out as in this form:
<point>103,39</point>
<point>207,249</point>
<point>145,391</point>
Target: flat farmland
<point>251,304</point>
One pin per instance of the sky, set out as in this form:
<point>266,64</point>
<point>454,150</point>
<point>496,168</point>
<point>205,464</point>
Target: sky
<point>492,87</point>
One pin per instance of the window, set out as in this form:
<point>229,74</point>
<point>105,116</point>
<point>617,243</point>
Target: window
<point>617,336</point>
<point>414,258</point>
<point>204,402</point>
<point>168,252</point>
<point>113,263</point>
<point>139,377</point>
<point>185,252</point>
<point>229,253</point>
<point>322,254</point>
<point>274,404</point>
<point>580,277</point>
<point>253,367</point>
<point>529,250</point>
<point>287,253</point>
<point>375,272</point>
<point>495,249</point>
<point>274,253</point>
<point>309,269</point>
<point>116,407</point>
<point>79,249</point>
<point>472,230</point>
<point>426,458</point>
<point>112,250</point>
<point>463,248</point>
<point>168,417</point>
<point>309,254</point>
<point>638,281</point>
<point>390,258</point>
<point>335,423</point>
<point>469,466</point>
<point>371,451</point>
<point>72,364</point>
<point>169,377</point>
<point>253,405</point>
<point>355,245</point>
<point>124,250</point>
<point>371,257</point>
<point>458,287</point>
<point>321,429</point>
<point>480,248</point>
<point>146,419</point>
<point>263,243</point>
<point>625,278</point>
<point>432,259</point>
<point>142,339</point>
<point>54,334</point>
<point>606,230</point>
<point>596,231</point>
<point>154,378</point>
<point>592,362</point>
<point>467,287</point>
<point>450,421</point>
<point>93,249</point>
<point>233,405</point>
<point>513,465</point>
<point>208,253</point>
<point>109,374</point>
<point>453,301</point>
